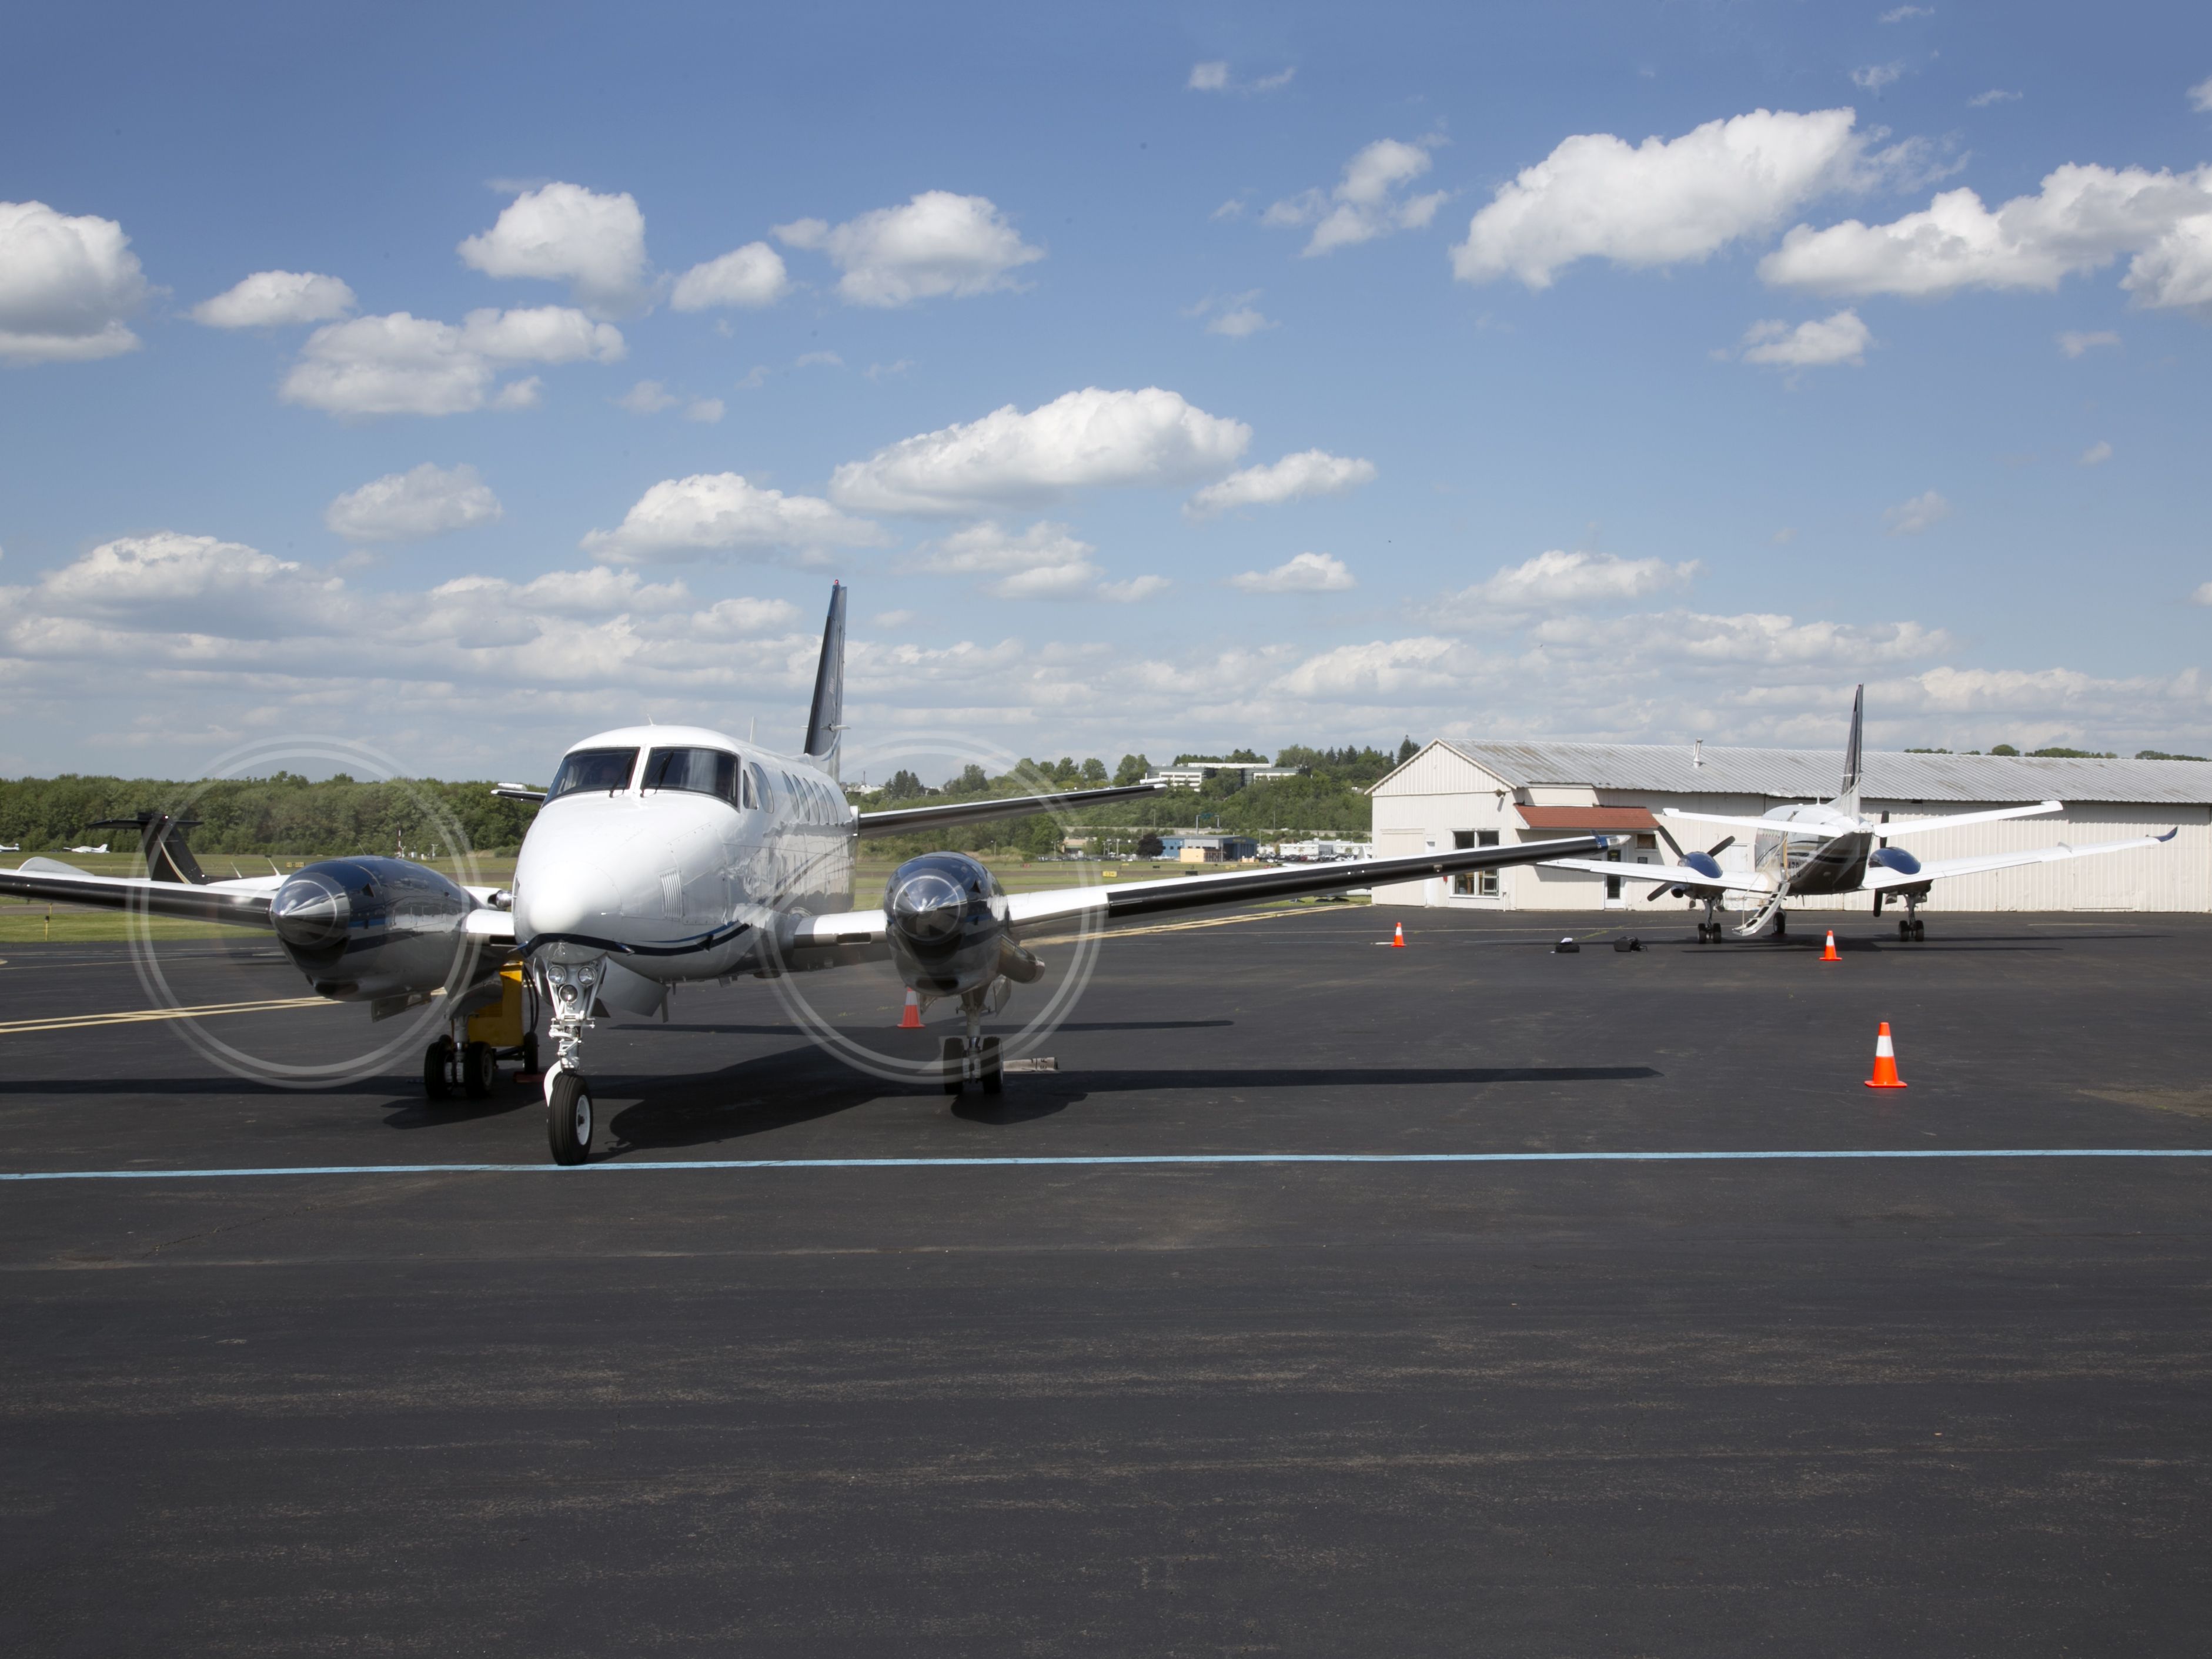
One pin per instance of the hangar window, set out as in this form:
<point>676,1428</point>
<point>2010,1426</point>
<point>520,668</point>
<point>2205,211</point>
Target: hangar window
<point>1474,883</point>
<point>702,771</point>
<point>593,769</point>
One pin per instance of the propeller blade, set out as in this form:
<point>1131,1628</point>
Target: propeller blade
<point>1720,847</point>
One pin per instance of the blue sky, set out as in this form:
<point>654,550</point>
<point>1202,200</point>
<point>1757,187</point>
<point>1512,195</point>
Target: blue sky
<point>1647,373</point>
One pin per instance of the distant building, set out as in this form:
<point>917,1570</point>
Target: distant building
<point>1197,772</point>
<point>1209,849</point>
<point>1484,794</point>
<point>1322,851</point>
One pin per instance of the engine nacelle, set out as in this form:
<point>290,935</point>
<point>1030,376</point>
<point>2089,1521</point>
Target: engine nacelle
<point>373,929</point>
<point>1704,863</point>
<point>944,919</point>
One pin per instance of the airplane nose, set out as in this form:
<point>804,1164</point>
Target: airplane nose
<point>563,897</point>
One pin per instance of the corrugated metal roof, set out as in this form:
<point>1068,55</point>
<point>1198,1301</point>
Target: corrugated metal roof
<point>1807,773</point>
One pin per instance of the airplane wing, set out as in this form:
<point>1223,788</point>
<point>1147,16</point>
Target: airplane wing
<point>1921,826</point>
<point>243,902</point>
<point>1669,875</point>
<point>1880,878</point>
<point>1768,824</point>
<point>1115,902</point>
<point>901,820</point>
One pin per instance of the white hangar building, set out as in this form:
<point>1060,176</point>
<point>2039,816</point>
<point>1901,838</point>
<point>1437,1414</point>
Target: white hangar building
<point>1480,794</point>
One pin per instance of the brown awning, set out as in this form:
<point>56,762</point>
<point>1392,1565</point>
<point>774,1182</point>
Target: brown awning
<point>1614,818</point>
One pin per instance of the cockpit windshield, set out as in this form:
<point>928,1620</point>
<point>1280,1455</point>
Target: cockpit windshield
<point>706,771</point>
<point>593,769</point>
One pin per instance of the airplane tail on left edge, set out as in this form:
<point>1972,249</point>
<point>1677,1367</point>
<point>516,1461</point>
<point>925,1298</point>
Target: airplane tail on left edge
<point>162,839</point>
<point>826,720</point>
<point>1847,797</point>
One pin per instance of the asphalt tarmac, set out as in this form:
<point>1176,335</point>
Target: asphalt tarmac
<point>1824,1404</point>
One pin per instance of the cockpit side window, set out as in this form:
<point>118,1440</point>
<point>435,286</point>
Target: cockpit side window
<point>749,773</point>
<point>702,771</point>
<point>586,770</point>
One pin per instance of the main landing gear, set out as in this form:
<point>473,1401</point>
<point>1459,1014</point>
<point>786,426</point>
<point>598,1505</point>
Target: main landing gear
<point>974,1058</point>
<point>1708,930</point>
<point>468,1064</point>
<point>1910,929</point>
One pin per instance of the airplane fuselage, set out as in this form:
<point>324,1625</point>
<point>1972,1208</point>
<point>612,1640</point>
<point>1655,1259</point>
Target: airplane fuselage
<point>1812,849</point>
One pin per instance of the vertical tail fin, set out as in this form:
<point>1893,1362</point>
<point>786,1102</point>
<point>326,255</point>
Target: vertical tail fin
<point>162,839</point>
<point>825,720</point>
<point>1847,797</point>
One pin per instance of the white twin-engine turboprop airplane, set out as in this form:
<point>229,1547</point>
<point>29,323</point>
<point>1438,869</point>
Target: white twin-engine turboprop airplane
<point>670,853</point>
<point>1824,848</point>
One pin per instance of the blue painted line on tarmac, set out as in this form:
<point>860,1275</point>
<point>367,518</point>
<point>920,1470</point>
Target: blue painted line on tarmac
<point>1135,1159</point>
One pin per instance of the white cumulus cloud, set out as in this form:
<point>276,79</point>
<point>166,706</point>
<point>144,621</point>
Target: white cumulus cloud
<point>1842,339</point>
<point>1045,561</point>
<point>1994,95</point>
<point>2097,454</point>
<point>404,365</point>
<point>2075,344</point>
<point>2083,217</point>
<point>1208,77</point>
<point>1874,76</point>
<point>1661,201</point>
<point>1368,202</point>
<point>752,276</point>
<point>1304,572</point>
<point>67,284</point>
<point>276,298</point>
<point>1091,439</point>
<point>1308,472</point>
<point>564,232</point>
<point>1556,581</point>
<point>406,507</point>
<point>937,244</point>
<point>1911,517</point>
<point>2200,96</point>
<point>684,519</point>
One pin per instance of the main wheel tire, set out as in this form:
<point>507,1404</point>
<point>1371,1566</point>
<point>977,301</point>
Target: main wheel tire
<point>479,1070</point>
<point>437,1081</point>
<point>1903,929</point>
<point>994,1076</point>
<point>1919,931</point>
<point>953,1053</point>
<point>568,1119</point>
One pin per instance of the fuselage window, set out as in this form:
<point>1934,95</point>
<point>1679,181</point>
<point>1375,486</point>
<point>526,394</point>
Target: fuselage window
<point>702,771</point>
<point>593,769</point>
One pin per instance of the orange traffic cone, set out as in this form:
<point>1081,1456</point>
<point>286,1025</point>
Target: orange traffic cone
<point>1398,938</point>
<point>911,1019</point>
<point>1885,1062</point>
<point>1829,955</point>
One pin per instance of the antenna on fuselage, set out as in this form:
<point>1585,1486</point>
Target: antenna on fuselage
<point>1847,797</point>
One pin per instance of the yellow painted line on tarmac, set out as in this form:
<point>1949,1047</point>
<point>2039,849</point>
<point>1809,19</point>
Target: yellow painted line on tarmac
<point>1163,927</point>
<point>79,1022</point>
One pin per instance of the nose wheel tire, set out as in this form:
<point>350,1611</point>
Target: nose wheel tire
<point>479,1070</point>
<point>989,1065</point>
<point>437,1059</point>
<point>954,1053</point>
<point>568,1119</point>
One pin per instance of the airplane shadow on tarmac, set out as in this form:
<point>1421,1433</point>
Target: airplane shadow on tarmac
<point>796,1087</point>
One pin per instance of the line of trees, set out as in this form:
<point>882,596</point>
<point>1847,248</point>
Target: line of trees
<point>289,816</point>
<point>285,815</point>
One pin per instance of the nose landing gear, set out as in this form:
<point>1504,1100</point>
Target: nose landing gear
<point>974,1057</point>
